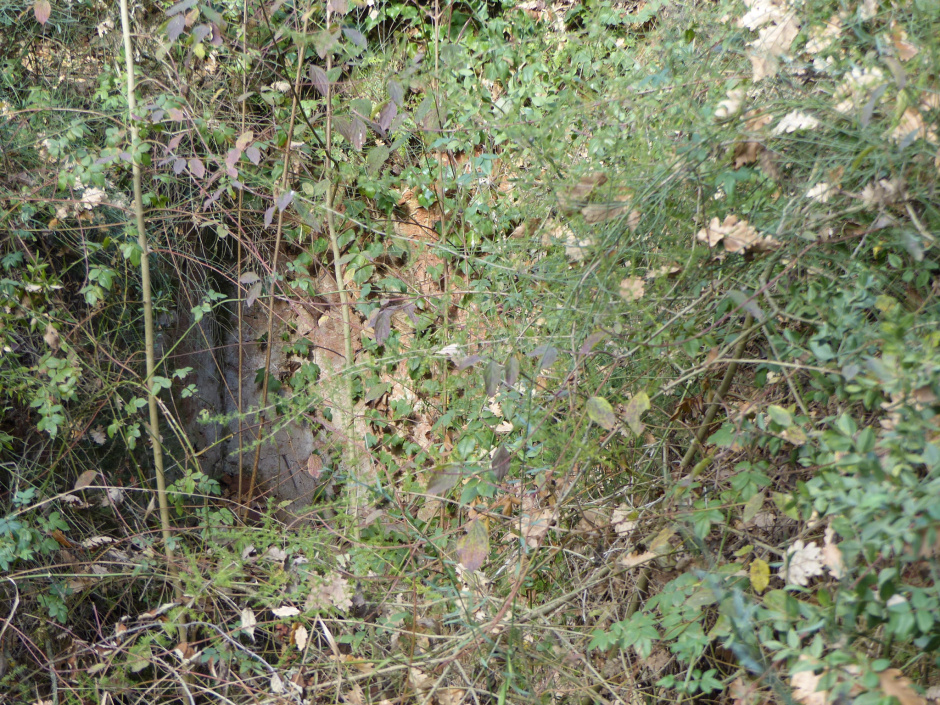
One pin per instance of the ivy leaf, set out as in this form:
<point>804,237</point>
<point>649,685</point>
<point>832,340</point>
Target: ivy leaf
<point>42,9</point>
<point>635,408</point>
<point>760,575</point>
<point>601,412</point>
<point>473,548</point>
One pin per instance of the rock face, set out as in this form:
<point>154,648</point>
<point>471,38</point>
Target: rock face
<point>289,439</point>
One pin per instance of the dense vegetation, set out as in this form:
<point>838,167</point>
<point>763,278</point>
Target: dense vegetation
<point>501,352</point>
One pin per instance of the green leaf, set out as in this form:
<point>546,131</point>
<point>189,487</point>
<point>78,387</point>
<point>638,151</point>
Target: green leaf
<point>635,408</point>
<point>780,416</point>
<point>753,506</point>
<point>601,412</point>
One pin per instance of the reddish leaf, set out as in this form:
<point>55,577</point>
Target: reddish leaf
<point>473,548</point>
<point>547,355</point>
<point>178,166</point>
<point>234,154</point>
<point>180,7</point>
<point>42,9</point>
<point>592,340</point>
<point>175,142</point>
<point>320,80</point>
<point>355,36</point>
<point>254,154</point>
<point>383,326</point>
<point>387,114</point>
<point>443,480</point>
<point>197,168</point>
<point>201,32</point>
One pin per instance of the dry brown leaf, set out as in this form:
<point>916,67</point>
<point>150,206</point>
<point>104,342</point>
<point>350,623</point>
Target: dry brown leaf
<point>536,525</point>
<point>571,199</point>
<point>450,696</point>
<point>746,153</point>
<point>912,123</point>
<point>822,37</point>
<point>832,555</point>
<point>775,39</point>
<point>635,559</point>
<point>632,289</point>
<point>805,684</point>
<point>763,65</point>
<point>896,684</point>
<point>599,212</point>
<point>906,51</point>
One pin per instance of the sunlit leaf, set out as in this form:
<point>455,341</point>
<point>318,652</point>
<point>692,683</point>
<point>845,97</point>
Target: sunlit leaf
<point>601,412</point>
<point>244,139</point>
<point>634,410</point>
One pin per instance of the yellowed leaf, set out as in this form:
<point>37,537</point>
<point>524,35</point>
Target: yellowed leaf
<point>760,575</point>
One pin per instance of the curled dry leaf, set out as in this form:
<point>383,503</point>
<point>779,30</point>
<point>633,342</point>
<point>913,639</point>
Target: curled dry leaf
<point>248,622</point>
<point>731,105</point>
<point>737,236</point>
<point>795,121</point>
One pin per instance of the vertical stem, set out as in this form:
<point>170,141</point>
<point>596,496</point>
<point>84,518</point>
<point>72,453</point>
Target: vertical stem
<point>239,306</point>
<point>285,180</point>
<point>148,305</point>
